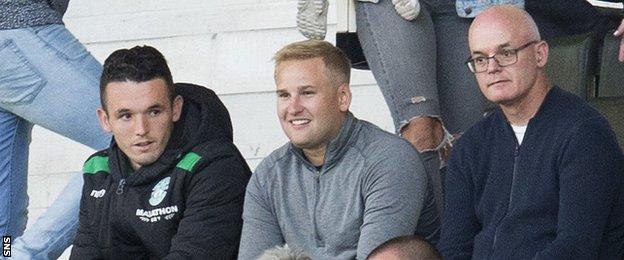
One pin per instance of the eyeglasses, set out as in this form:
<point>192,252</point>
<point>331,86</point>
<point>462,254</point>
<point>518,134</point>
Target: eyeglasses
<point>504,57</point>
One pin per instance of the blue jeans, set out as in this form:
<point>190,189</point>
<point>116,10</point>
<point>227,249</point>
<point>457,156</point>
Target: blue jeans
<point>419,67</point>
<point>47,78</point>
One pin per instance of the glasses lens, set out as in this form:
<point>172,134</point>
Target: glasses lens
<point>506,57</point>
<point>471,66</point>
<point>481,64</point>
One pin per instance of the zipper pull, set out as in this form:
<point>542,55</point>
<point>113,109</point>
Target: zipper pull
<point>120,186</point>
<point>516,152</point>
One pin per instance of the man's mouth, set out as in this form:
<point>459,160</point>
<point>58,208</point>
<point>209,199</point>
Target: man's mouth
<point>299,122</point>
<point>143,145</point>
<point>497,82</point>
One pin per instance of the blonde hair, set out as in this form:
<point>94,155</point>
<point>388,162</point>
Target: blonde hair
<point>336,62</point>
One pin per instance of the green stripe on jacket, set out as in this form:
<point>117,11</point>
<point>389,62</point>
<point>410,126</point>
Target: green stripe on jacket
<point>96,164</point>
<point>189,161</point>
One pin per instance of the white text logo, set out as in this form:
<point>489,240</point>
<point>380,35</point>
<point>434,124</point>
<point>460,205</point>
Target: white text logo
<point>98,193</point>
<point>156,214</point>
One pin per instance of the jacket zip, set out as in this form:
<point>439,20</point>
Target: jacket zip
<point>317,184</point>
<point>120,186</point>
<point>513,178</point>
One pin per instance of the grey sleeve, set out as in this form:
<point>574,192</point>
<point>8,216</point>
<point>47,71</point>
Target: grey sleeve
<point>260,227</point>
<point>394,193</point>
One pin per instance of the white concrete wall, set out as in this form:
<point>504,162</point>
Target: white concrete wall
<point>226,45</point>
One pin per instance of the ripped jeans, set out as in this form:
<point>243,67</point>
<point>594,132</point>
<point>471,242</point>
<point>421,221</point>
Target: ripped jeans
<point>47,78</point>
<point>419,67</point>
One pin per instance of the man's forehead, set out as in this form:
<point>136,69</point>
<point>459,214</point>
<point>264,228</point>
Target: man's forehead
<point>296,75</point>
<point>311,65</point>
<point>500,24</point>
<point>154,87</point>
<point>136,95</point>
<point>492,36</point>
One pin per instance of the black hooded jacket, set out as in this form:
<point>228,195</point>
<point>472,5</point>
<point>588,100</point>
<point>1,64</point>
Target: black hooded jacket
<point>186,205</point>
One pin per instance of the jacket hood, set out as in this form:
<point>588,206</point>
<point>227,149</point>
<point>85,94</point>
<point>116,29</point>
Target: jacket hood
<point>204,118</point>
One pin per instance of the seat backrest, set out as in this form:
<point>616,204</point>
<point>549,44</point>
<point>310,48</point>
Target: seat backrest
<point>350,44</point>
<point>611,80</point>
<point>572,63</point>
<point>613,109</point>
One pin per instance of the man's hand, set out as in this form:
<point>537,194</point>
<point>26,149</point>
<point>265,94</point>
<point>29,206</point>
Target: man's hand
<point>620,33</point>
<point>423,133</point>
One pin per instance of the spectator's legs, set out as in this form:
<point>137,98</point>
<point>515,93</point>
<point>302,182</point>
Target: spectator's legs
<point>48,78</point>
<point>419,68</point>
<point>14,140</point>
<point>53,232</point>
<point>402,57</point>
<point>461,101</point>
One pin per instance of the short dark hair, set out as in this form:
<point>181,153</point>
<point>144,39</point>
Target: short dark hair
<point>138,64</point>
<point>408,247</point>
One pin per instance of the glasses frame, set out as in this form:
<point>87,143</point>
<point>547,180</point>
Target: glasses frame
<point>470,61</point>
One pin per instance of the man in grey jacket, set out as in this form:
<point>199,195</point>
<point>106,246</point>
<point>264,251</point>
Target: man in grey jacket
<point>341,186</point>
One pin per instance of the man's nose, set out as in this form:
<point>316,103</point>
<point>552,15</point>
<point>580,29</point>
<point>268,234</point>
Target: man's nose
<point>294,106</point>
<point>493,65</point>
<point>141,125</point>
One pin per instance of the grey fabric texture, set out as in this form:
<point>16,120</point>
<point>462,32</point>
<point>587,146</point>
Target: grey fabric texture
<point>29,13</point>
<point>371,188</point>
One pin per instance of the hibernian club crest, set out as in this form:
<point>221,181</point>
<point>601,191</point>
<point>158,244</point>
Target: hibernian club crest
<point>159,191</point>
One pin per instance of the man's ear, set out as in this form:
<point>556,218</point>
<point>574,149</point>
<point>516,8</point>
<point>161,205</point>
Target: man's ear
<point>178,102</point>
<point>103,118</point>
<point>344,97</point>
<point>542,53</point>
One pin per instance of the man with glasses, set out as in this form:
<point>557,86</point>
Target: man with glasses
<point>542,177</point>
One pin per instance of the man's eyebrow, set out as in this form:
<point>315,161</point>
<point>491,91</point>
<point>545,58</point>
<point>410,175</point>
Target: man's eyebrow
<point>500,46</point>
<point>305,88</point>
<point>125,110</point>
<point>299,88</point>
<point>121,111</point>
<point>155,106</point>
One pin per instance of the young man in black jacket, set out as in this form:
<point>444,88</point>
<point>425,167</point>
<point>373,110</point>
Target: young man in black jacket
<point>172,183</point>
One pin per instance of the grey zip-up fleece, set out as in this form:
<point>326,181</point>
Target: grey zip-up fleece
<point>371,188</point>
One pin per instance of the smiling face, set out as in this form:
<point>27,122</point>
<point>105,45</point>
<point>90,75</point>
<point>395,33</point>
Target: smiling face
<point>140,116</point>
<point>310,107</point>
<point>499,29</point>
